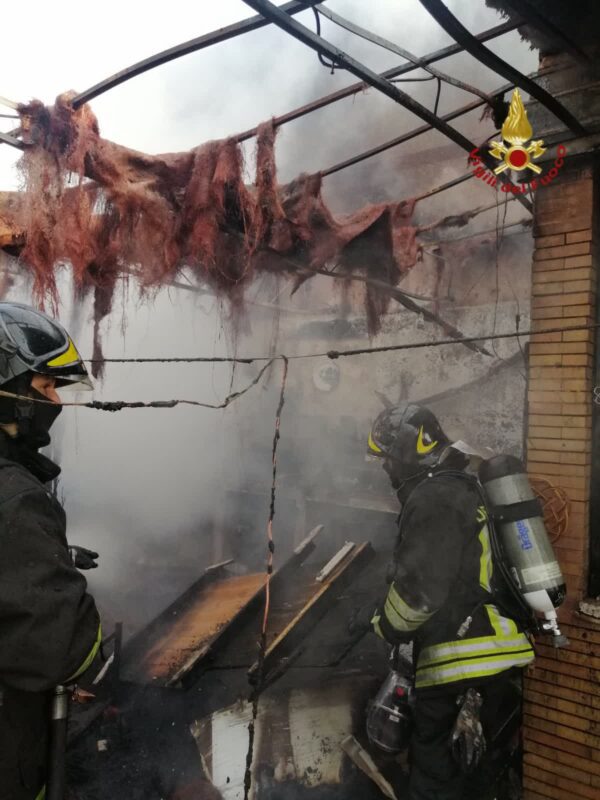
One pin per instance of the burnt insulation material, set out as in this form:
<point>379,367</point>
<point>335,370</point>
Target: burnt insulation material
<point>108,212</point>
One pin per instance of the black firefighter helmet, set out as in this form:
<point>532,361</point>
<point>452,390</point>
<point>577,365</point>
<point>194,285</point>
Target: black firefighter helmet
<point>32,342</point>
<point>410,437</point>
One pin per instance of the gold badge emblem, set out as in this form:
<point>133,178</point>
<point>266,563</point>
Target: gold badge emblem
<point>517,131</point>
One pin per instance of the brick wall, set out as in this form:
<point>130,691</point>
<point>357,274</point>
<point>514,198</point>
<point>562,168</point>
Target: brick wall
<point>562,693</point>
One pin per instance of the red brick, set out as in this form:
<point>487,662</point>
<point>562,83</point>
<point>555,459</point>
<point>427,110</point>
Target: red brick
<point>575,311</point>
<point>551,264</point>
<point>583,273</point>
<point>561,300</point>
<point>551,241</point>
<point>577,336</point>
<point>579,236</point>
<point>577,360</point>
<point>578,261</point>
<point>562,251</point>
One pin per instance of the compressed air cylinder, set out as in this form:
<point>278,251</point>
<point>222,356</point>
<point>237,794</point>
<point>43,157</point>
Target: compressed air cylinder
<point>518,519</point>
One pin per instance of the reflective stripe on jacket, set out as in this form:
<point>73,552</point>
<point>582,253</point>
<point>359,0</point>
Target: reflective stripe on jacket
<point>442,593</point>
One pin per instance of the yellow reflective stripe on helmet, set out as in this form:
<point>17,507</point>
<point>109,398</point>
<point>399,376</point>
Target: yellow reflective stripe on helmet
<point>89,658</point>
<point>485,561</point>
<point>42,794</point>
<point>70,356</point>
<point>422,447</point>
<point>471,668</point>
<point>372,446</point>
<point>503,626</point>
<point>400,615</point>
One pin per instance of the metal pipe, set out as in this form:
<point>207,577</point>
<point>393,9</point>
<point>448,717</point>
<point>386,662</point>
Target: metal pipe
<point>56,784</point>
<point>459,33</point>
<point>412,134</point>
<point>399,51</point>
<point>320,45</point>
<point>301,111</point>
<point>179,50</point>
<point>360,86</point>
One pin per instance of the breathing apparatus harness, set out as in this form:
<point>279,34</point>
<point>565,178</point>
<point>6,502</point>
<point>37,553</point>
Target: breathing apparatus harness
<point>507,596</point>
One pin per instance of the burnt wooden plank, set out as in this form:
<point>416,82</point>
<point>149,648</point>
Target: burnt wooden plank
<point>287,646</point>
<point>200,621</point>
<point>185,636</point>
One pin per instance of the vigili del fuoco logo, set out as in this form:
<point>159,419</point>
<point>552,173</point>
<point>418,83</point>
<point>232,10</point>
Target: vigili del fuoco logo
<point>514,153</point>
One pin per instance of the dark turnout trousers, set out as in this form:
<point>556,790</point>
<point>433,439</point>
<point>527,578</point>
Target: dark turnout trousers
<point>434,774</point>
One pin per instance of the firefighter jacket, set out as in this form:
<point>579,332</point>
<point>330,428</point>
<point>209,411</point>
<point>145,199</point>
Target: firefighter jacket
<point>49,625</point>
<point>442,595</point>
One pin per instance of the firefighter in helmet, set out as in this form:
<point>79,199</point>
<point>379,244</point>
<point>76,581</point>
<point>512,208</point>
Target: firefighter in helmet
<point>49,625</point>
<point>443,598</point>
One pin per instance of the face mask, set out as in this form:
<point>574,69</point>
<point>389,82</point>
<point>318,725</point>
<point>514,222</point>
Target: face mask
<point>36,433</point>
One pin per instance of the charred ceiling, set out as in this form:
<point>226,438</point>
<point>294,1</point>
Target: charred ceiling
<point>552,26</point>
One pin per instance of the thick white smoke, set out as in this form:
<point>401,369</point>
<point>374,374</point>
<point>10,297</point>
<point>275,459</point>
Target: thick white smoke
<point>152,489</point>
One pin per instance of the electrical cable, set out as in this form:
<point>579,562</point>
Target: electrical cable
<point>329,64</point>
<point>119,405</point>
<point>334,354</point>
<point>262,650</point>
<point>391,47</point>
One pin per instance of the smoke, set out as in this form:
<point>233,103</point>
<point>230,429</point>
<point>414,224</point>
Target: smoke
<point>161,494</point>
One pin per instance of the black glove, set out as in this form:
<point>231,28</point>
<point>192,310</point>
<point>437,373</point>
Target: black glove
<point>83,558</point>
<point>360,621</point>
<point>467,741</point>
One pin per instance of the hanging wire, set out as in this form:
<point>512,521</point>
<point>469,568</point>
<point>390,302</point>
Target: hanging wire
<point>119,405</point>
<point>437,97</point>
<point>262,651</point>
<point>329,64</point>
<point>332,354</point>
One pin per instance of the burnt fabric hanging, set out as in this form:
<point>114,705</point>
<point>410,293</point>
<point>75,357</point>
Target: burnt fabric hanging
<point>109,211</point>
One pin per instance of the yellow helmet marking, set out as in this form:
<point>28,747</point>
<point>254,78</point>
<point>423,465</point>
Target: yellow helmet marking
<point>373,446</point>
<point>422,448</point>
<point>70,356</point>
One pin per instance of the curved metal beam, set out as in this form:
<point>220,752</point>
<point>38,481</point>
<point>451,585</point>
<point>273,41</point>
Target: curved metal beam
<point>320,45</point>
<point>273,14</point>
<point>412,134</point>
<point>355,88</point>
<point>357,30</point>
<point>460,34</point>
<point>191,46</point>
